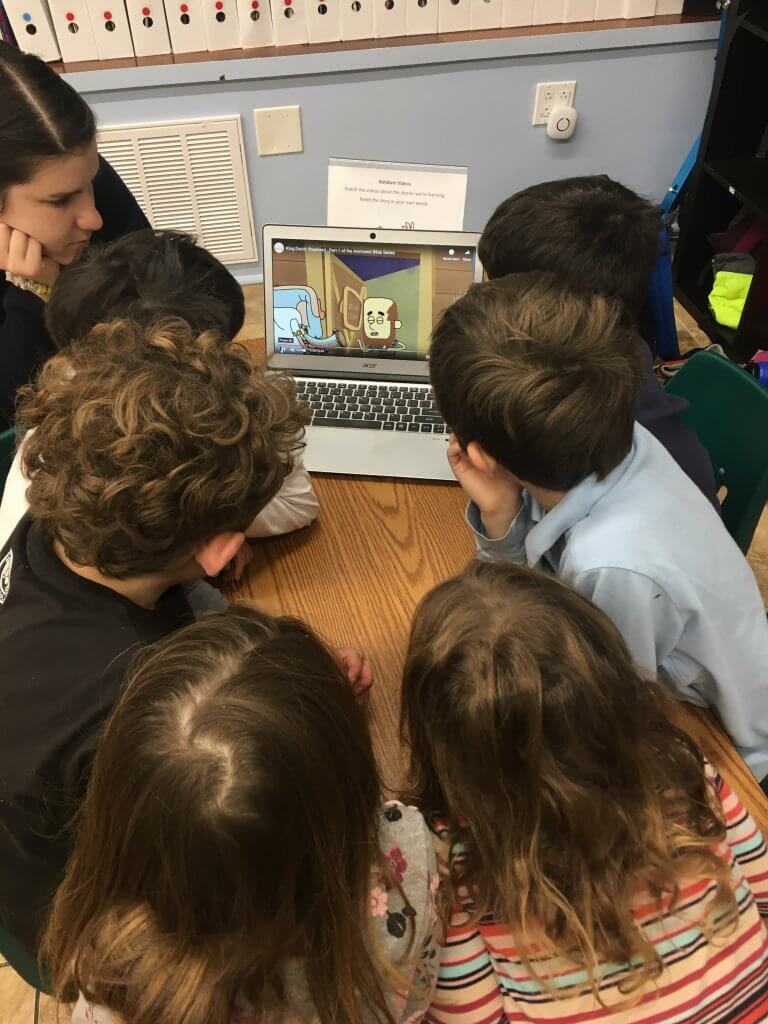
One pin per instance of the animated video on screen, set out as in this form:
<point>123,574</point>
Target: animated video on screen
<point>356,300</point>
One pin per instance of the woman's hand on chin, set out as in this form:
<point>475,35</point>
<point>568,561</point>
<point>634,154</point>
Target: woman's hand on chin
<point>23,256</point>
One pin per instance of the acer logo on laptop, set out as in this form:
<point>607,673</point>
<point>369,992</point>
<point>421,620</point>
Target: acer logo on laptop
<point>369,366</point>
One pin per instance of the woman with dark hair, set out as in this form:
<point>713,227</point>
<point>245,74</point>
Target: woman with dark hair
<point>55,194</point>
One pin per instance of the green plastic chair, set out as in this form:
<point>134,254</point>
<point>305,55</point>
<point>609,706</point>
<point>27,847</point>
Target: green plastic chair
<point>25,965</point>
<point>729,412</point>
<point>7,448</point>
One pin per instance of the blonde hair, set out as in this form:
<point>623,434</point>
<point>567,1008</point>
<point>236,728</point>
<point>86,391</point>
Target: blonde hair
<point>149,440</point>
<point>531,729</point>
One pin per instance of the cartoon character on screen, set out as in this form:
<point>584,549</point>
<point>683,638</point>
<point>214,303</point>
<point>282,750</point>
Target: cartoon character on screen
<point>298,318</point>
<point>380,325</point>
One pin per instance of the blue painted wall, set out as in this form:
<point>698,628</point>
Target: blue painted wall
<point>640,106</point>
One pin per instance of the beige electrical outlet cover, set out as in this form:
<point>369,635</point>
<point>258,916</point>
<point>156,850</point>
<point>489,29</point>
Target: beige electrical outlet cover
<point>278,130</point>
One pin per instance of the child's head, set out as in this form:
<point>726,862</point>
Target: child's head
<point>530,728</point>
<point>541,377</point>
<point>154,448</point>
<point>592,231</point>
<point>145,276</point>
<point>230,824</point>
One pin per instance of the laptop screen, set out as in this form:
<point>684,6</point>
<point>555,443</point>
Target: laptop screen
<point>358,299</point>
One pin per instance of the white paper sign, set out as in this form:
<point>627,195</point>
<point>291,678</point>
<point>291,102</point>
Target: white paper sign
<point>425,197</point>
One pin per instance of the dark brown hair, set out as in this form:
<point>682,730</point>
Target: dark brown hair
<point>145,276</point>
<point>592,231</point>
<point>41,116</point>
<point>531,729</point>
<point>542,377</point>
<point>231,823</point>
<point>149,441</point>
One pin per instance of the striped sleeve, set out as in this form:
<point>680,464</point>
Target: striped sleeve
<point>746,843</point>
<point>467,989</point>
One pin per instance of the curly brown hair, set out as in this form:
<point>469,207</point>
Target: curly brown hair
<point>149,441</point>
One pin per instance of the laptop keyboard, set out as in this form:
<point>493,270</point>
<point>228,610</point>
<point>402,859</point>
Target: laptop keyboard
<point>336,403</point>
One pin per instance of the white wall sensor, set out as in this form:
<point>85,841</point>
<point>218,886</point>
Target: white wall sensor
<point>562,123</point>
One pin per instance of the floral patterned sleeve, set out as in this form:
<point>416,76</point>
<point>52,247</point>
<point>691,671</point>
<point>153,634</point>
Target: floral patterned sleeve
<point>405,918</point>
<point>405,924</point>
<point>88,1013</point>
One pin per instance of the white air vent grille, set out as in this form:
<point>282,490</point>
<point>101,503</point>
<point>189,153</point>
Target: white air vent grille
<point>191,176</point>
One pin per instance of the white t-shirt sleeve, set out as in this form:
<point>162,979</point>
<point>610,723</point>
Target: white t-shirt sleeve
<point>294,506</point>
<point>14,501</point>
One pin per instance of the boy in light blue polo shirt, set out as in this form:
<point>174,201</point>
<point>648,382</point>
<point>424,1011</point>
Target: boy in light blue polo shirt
<point>538,384</point>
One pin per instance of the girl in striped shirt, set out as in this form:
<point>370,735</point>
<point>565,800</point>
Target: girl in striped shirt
<point>600,870</point>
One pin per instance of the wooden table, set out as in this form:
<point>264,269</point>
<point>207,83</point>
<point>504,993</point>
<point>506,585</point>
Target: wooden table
<point>357,574</point>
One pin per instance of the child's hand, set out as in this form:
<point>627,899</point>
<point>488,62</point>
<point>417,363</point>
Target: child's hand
<point>235,569</point>
<point>23,256</point>
<point>358,672</point>
<point>496,493</point>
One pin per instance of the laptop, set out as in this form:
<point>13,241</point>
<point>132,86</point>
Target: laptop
<point>349,314</point>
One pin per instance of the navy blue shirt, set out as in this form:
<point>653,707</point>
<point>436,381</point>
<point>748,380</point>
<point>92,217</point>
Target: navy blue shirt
<point>659,412</point>
<point>67,644</point>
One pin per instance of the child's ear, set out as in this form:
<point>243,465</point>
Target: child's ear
<point>480,458</point>
<point>215,554</point>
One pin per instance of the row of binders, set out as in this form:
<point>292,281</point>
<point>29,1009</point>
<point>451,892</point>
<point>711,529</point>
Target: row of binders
<point>87,30</point>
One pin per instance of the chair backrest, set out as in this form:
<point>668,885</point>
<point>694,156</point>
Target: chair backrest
<point>7,448</point>
<point>729,412</point>
<point>21,960</point>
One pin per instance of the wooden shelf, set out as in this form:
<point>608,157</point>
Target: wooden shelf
<point>487,44</point>
<point>747,179</point>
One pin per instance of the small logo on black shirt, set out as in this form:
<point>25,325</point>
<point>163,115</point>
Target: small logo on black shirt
<point>5,576</point>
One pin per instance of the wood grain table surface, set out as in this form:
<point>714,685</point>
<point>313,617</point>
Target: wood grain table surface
<point>357,574</point>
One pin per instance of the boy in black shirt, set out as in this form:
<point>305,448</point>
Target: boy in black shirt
<point>598,234</point>
<point>153,449</point>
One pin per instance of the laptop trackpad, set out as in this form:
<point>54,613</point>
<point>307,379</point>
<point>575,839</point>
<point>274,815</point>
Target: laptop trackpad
<point>377,453</point>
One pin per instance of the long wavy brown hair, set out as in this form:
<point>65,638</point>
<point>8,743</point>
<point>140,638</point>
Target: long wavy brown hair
<point>557,769</point>
<point>231,823</point>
